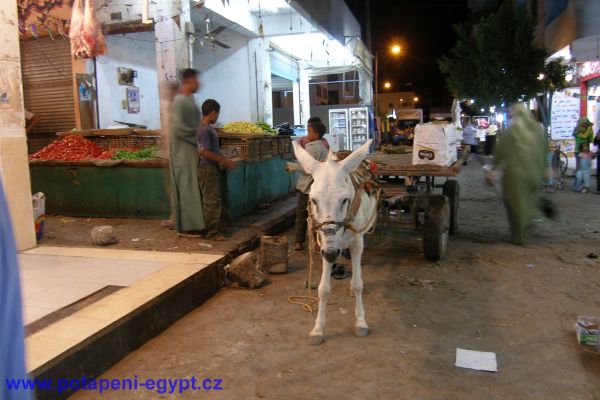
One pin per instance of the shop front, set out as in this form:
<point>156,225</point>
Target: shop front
<point>589,84</point>
<point>112,104</point>
<point>118,101</point>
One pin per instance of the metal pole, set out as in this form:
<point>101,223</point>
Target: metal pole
<point>368,23</point>
<point>376,100</point>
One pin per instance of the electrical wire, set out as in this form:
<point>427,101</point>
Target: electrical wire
<point>39,46</point>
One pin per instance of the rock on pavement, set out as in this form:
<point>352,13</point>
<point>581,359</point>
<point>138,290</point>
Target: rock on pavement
<point>104,235</point>
<point>245,271</point>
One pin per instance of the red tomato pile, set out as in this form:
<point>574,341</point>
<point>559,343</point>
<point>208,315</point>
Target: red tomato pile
<point>71,148</point>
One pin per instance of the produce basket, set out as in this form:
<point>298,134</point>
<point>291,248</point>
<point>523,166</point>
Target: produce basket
<point>285,144</point>
<point>276,144</point>
<point>124,142</point>
<point>36,144</point>
<point>266,148</point>
<point>243,147</point>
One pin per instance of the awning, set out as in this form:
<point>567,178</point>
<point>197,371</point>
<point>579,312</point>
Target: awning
<point>284,65</point>
<point>279,84</point>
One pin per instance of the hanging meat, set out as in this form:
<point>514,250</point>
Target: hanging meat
<point>87,40</point>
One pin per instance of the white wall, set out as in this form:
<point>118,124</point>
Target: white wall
<point>226,76</point>
<point>14,171</point>
<point>138,52</point>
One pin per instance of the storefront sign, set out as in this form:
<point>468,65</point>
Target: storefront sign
<point>589,68</point>
<point>565,113</point>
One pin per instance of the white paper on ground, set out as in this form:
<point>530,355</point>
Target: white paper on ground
<point>478,360</point>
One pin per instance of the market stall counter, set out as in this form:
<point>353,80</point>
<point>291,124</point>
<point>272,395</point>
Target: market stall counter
<point>130,189</point>
<point>110,176</point>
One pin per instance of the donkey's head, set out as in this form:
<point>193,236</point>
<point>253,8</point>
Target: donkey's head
<point>331,195</point>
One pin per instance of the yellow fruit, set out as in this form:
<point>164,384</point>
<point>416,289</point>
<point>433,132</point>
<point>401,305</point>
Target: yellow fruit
<point>243,127</point>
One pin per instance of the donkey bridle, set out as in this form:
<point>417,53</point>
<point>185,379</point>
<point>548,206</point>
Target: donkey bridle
<point>351,209</point>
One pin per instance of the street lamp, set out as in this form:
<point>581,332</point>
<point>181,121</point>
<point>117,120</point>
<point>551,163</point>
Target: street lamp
<point>387,85</point>
<point>395,49</point>
<point>416,99</point>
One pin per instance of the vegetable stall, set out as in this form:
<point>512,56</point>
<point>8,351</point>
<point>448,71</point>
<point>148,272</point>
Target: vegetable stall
<point>117,172</point>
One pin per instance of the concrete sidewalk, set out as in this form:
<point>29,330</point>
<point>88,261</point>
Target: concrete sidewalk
<point>87,307</point>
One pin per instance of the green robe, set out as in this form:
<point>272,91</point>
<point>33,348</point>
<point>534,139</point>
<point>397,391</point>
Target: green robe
<point>521,152</point>
<point>186,202</point>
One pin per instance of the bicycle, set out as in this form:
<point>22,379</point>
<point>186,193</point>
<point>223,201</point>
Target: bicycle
<point>559,165</point>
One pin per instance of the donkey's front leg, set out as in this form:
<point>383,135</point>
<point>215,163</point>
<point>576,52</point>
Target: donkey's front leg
<point>316,335</point>
<point>361,328</point>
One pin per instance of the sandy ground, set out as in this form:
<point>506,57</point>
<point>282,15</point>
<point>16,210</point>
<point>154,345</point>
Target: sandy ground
<point>151,235</point>
<point>487,295</point>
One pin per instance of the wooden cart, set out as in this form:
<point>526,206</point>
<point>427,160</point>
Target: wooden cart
<point>411,190</point>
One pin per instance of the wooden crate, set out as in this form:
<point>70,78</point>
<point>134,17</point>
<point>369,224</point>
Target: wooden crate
<point>241,147</point>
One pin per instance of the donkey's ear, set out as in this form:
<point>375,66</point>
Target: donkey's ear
<point>350,163</point>
<point>308,163</point>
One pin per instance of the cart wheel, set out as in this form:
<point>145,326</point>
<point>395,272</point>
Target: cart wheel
<point>436,228</point>
<point>452,190</point>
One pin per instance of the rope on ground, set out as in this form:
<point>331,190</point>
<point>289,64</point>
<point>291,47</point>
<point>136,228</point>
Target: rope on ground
<point>309,302</point>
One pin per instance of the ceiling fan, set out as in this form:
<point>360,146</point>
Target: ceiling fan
<point>210,35</point>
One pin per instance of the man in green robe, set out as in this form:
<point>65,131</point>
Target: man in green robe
<point>521,152</point>
<point>186,202</point>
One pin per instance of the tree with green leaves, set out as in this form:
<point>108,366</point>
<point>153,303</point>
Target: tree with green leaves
<point>498,62</point>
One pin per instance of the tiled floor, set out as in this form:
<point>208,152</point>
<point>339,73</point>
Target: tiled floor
<point>51,282</point>
<point>55,277</point>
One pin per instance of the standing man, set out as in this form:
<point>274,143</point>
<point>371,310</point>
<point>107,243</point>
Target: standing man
<point>31,120</point>
<point>186,203</point>
<point>209,174</point>
<point>597,143</point>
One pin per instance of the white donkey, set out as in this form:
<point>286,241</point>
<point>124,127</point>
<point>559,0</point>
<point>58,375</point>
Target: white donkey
<point>342,215</point>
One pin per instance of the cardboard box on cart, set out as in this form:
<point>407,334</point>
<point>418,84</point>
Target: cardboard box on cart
<point>435,144</point>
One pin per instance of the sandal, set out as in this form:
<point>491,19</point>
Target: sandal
<point>346,254</point>
<point>335,268</point>
<point>218,237</point>
<point>189,234</point>
<point>341,271</point>
<point>167,224</point>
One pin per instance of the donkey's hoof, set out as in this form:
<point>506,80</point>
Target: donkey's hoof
<point>315,340</point>
<point>361,332</point>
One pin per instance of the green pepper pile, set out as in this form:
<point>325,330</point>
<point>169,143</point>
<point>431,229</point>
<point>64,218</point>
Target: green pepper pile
<point>140,154</point>
<point>266,128</point>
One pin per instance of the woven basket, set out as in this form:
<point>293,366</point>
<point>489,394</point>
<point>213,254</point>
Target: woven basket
<point>241,148</point>
<point>113,143</point>
<point>276,145</point>
<point>266,148</point>
<point>274,254</point>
